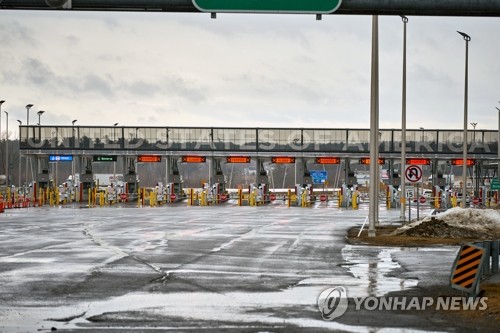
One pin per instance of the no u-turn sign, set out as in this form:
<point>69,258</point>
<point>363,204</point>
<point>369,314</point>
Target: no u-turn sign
<point>413,173</point>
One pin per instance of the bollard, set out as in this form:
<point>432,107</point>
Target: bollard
<point>251,199</point>
<point>191,197</point>
<point>8,195</point>
<point>203,198</point>
<point>495,245</point>
<point>240,199</point>
<point>387,198</point>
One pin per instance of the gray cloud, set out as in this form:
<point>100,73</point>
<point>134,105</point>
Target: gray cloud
<point>178,86</point>
<point>14,33</point>
<point>96,84</point>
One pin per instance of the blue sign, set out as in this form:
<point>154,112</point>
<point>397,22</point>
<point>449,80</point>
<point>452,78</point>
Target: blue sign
<point>60,158</point>
<point>318,176</point>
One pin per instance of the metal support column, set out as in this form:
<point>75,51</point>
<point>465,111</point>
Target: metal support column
<point>374,136</point>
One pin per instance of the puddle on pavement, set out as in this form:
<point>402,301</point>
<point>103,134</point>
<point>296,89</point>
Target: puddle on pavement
<point>369,266</point>
<point>372,266</point>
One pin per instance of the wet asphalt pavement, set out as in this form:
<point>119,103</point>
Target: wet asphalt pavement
<point>210,269</point>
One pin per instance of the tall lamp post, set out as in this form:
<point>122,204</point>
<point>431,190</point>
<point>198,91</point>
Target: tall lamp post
<point>474,176</point>
<point>20,161</point>
<point>7,146</point>
<point>498,144</point>
<point>466,91</point>
<point>28,107</point>
<point>403,128</point>
<point>114,162</point>
<point>73,160</point>
<point>39,113</point>
<point>374,126</point>
<point>1,102</point>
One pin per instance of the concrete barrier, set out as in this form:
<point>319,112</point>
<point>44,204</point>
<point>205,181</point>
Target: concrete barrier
<point>492,256</point>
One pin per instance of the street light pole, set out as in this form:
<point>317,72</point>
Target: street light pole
<point>1,102</point>
<point>374,113</point>
<point>39,113</point>
<point>28,107</point>
<point>403,129</point>
<point>466,91</point>
<point>20,161</point>
<point>498,144</point>
<point>114,162</point>
<point>474,176</point>
<point>73,160</point>
<point>7,147</point>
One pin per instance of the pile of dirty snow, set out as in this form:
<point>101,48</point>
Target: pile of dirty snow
<point>456,223</point>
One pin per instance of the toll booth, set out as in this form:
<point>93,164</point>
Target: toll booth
<point>438,198</point>
<point>86,185</point>
<point>131,186</point>
<point>173,189</point>
<point>305,180</point>
<point>396,180</point>
<point>440,180</point>
<point>350,177</point>
<point>86,180</point>
<point>392,197</point>
<point>303,195</point>
<point>218,189</point>
<point>346,192</point>
<point>262,183</point>
<point>130,179</point>
<point>43,179</point>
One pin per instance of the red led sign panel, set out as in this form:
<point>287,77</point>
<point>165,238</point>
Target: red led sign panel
<point>283,160</point>
<point>460,161</point>
<point>194,159</point>
<point>381,160</point>
<point>149,158</point>
<point>238,159</point>
<point>418,161</point>
<point>327,160</point>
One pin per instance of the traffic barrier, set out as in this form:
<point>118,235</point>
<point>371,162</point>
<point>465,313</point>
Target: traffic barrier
<point>491,248</point>
<point>495,249</point>
<point>467,269</point>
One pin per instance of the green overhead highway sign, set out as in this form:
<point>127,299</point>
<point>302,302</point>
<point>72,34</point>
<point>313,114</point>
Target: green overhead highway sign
<point>104,158</point>
<point>268,6</point>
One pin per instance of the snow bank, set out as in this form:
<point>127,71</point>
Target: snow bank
<point>456,223</point>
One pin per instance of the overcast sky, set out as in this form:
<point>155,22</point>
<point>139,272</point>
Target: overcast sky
<point>162,69</point>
